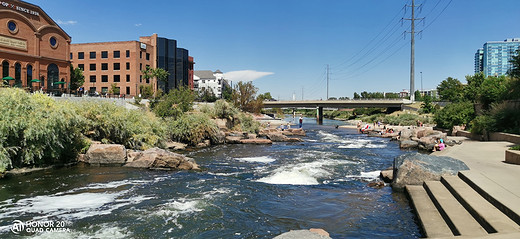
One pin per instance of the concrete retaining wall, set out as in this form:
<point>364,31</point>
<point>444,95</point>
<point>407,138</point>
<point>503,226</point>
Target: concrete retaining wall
<point>513,138</point>
<point>513,156</point>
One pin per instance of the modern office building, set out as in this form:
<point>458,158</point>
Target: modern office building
<point>34,50</point>
<point>122,63</point>
<point>497,56</point>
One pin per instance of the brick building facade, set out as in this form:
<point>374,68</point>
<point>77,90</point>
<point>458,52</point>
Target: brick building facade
<point>32,47</point>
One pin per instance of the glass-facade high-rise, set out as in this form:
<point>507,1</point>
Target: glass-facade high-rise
<point>497,56</point>
<point>182,67</point>
<point>479,56</point>
<point>166,59</point>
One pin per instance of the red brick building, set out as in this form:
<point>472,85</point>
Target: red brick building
<point>114,63</point>
<point>32,47</point>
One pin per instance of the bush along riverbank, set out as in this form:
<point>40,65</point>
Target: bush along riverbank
<point>37,131</point>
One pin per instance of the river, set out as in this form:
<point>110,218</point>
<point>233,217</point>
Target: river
<point>244,191</point>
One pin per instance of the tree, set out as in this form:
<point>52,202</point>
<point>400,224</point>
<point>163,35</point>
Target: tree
<point>364,95</point>
<point>266,96</point>
<point>514,81</point>
<point>451,90</point>
<point>492,90</point>
<point>515,69</point>
<point>455,114</point>
<point>391,95</point>
<point>227,93</point>
<point>418,96</point>
<point>207,95</point>
<point>159,73</point>
<point>146,91</point>
<point>77,79</point>
<point>244,97</point>
<point>356,95</point>
<point>427,105</point>
<point>473,88</point>
<point>114,89</point>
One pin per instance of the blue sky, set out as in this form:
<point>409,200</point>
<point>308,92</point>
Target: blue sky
<point>290,42</point>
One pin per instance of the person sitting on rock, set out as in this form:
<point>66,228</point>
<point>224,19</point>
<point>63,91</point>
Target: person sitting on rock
<point>439,146</point>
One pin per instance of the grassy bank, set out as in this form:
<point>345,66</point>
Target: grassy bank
<point>36,130</point>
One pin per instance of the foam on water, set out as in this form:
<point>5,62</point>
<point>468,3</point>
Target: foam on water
<point>373,175</point>
<point>261,159</point>
<point>350,143</point>
<point>106,231</point>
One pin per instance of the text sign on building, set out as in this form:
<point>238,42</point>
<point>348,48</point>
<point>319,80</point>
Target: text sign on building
<point>143,46</point>
<point>18,8</point>
<point>13,43</point>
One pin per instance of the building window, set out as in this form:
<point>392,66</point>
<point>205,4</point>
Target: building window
<point>53,42</point>
<point>92,67</point>
<point>141,54</point>
<point>127,78</point>
<point>71,55</point>
<point>128,90</point>
<point>104,66</point>
<point>147,81</point>
<point>13,28</point>
<point>140,79</point>
<point>116,54</point>
<point>127,53</point>
<point>104,54</point>
<point>92,55</point>
<point>29,74</point>
<point>81,66</point>
<point>117,66</point>
<point>117,78</point>
<point>93,78</point>
<point>92,90</point>
<point>104,78</point>
<point>140,66</point>
<point>104,90</point>
<point>147,56</point>
<point>81,55</point>
<point>128,65</point>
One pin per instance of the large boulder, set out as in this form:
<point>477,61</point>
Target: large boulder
<point>233,139</point>
<point>407,134</point>
<point>175,145</point>
<point>277,137</point>
<point>408,144</point>
<point>415,168</point>
<point>256,141</point>
<point>307,234</point>
<point>156,158</point>
<point>296,132</point>
<point>106,154</point>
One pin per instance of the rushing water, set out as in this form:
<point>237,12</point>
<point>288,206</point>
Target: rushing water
<point>244,191</point>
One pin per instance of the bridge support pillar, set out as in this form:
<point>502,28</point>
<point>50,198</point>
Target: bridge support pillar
<point>319,115</point>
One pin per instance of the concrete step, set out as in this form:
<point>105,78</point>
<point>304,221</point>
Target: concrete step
<point>492,219</point>
<point>431,221</point>
<point>502,198</point>
<point>458,219</point>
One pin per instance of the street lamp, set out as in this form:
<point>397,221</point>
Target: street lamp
<point>421,83</point>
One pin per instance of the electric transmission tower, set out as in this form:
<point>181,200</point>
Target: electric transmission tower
<point>412,45</point>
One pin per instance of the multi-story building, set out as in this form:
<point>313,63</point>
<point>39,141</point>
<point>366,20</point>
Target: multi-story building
<point>479,57</point>
<point>497,56</point>
<point>432,93</point>
<point>107,63</point>
<point>34,50</point>
<point>213,81</point>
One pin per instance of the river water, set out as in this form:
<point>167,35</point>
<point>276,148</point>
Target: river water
<point>244,191</point>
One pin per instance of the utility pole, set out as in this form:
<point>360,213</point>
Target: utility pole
<point>327,82</point>
<point>421,82</point>
<point>412,51</point>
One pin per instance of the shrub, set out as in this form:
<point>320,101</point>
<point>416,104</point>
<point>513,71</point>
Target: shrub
<point>481,123</point>
<point>175,103</point>
<point>223,110</point>
<point>516,147</point>
<point>193,128</point>
<point>455,114</point>
<point>36,130</point>
<point>110,123</point>
<point>247,123</point>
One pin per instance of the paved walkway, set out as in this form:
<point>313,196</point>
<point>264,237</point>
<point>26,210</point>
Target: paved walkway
<point>487,159</point>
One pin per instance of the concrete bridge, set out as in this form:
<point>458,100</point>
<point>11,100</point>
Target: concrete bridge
<point>320,104</point>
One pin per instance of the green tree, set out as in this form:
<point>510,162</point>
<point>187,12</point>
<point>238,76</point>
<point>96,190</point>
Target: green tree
<point>114,89</point>
<point>514,81</point>
<point>356,95</point>
<point>427,106</point>
<point>175,103</point>
<point>207,95</point>
<point>77,79</point>
<point>391,95</point>
<point>473,88</point>
<point>455,114</point>
<point>227,93</point>
<point>451,90</point>
<point>244,97</point>
<point>266,96</point>
<point>159,73</point>
<point>146,91</point>
<point>493,90</point>
<point>515,69</point>
<point>418,96</point>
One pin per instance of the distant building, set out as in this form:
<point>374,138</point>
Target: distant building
<point>122,63</point>
<point>432,93</point>
<point>479,57</point>
<point>214,81</point>
<point>496,57</point>
<point>404,93</point>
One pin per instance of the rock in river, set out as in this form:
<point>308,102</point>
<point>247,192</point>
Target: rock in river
<point>106,154</point>
<point>415,168</point>
<point>156,158</point>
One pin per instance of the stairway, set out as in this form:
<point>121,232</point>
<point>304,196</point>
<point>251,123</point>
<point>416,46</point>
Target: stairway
<point>465,206</point>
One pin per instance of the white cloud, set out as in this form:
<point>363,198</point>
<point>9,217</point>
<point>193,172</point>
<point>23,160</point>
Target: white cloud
<point>138,24</point>
<point>60,22</point>
<point>246,75</point>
